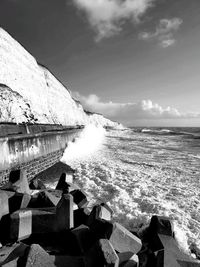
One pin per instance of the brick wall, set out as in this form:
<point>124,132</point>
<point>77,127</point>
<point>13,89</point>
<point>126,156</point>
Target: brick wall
<point>35,166</point>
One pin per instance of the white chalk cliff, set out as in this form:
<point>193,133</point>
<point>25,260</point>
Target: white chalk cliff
<point>29,92</point>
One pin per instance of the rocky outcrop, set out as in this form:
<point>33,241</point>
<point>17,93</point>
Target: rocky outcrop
<point>39,95</point>
<point>13,107</point>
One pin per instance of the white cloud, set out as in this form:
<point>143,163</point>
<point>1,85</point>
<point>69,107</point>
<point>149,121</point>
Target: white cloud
<point>164,32</point>
<point>107,16</point>
<point>123,112</point>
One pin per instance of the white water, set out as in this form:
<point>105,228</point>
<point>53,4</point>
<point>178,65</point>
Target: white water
<point>88,142</point>
<point>139,175</point>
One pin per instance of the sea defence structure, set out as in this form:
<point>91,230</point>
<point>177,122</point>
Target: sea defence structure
<point>32,148</point>
<point>38,115</point>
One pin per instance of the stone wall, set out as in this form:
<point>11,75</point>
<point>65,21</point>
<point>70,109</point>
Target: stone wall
<point>33,167</point>
<point>33,152</point>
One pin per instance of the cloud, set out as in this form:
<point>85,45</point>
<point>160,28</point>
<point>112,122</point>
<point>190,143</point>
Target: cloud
<point>128,112</point>
<point>106,17</point>
<point>164,32</point>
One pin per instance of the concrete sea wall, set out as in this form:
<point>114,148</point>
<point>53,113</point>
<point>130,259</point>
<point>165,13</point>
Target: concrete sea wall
<point>33,152</point>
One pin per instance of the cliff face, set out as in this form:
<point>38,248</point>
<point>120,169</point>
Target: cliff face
<point>34,93</point>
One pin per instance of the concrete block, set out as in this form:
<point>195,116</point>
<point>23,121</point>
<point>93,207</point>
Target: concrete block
<point>54,196</point>
<point>22,185</point>
<point>161,225</point>
<point>171,255</point>
<point>64,212</point>
<point>132,262</point>
<point>45,198</point>
<point>12,201</point>
<point>101,254</point>
<point>110,256</point>
<point>106,212</point>
<point>123,240</point>
<point>125,256</point>
<point>20,225</point>
<point>84,237</point>
<point>80,198</point>
<point>80,217</point>
<point>101,211</point>
<point>36,184</point>
<point>188,264</point>
<point>9,255</point>
<point>24,223</point>
<point>101,229</point>
<point>62,184</point>
<point>3,204</point>
<point>38,257</point>
<point>65,260</point>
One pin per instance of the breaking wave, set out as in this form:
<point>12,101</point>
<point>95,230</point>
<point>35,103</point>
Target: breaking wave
<point>90,139</point>
<point>140,175</point>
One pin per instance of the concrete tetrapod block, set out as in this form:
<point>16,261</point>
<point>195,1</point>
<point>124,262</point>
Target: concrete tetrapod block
<point>9,255</point>
<point>62,184</point>
<point>123,240</point>
<point>125,256</point>
<point>22,185</point>
<point>37,184</point>
<point>101,254</point>
<point>172,256</point>
<point>161,225</point>
<point>110,255</point>
<point>133,261</point>
<point>80,217</point>
<point>24,223</point>
<point>64,261</point>
<point>3,204</point>
<point>12,201</point>
<point>80,198</point>
<point>83,237</point>
<point>38,257</point>
<point>102,211</point>
<point>45,198</point>
<point>101,229</point>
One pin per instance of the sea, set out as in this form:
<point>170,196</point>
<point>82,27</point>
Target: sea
<point>141,172</point>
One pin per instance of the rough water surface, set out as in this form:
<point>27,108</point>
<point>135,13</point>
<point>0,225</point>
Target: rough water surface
<point>141,172</point>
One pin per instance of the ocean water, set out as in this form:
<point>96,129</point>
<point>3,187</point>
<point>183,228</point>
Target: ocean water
<point>141,172</point>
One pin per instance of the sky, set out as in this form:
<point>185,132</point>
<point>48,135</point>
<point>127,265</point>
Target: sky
<point>134,61</point>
